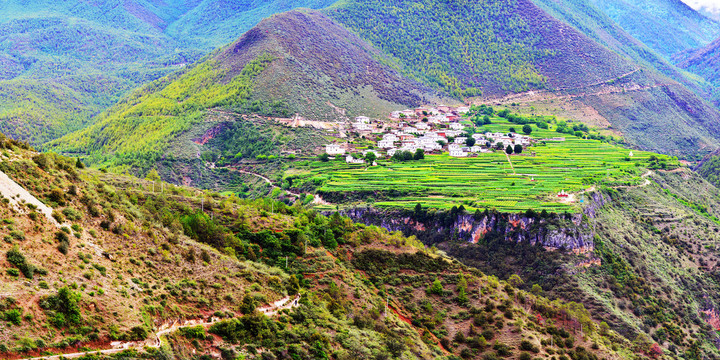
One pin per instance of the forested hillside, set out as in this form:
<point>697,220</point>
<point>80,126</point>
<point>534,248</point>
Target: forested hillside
<point>511,46</point>
<point>65,62</point>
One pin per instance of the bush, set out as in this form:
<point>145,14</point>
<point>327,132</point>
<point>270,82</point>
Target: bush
<point>137,333</point>
<point>13,272</point>
<point>195,332</point>
<point>13,316</point>
<point>72,214</point>
<point>16,258</point>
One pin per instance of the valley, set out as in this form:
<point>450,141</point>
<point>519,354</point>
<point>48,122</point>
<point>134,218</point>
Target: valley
<point>359,179</point>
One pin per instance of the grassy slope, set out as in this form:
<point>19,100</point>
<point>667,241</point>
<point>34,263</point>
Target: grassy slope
<point>511,47</point>
<point>137,261</point>
<point>704,62</point>
<point>661,235</point>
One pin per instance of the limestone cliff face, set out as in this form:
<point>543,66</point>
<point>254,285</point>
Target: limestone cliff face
<point>572,232</point>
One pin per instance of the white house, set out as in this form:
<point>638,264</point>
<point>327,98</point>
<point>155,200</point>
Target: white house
<point>410,130</point>
<point>334,149</point>
<point>391,137</point>
<point>452,147</point>
<point>392,152</point>
<point>361,126</point>
<point>351,160</point>
<point>460,140</point>
<point>522,140</point>
<point>457,126</point>
<point>385,144</point>
<point>362,119</point>
<point>476,149</point>
<point>462,109</point>
<point>458,153</point>
<point>422,126</point>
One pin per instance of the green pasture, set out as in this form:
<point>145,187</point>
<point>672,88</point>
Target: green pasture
<point>487,181</point>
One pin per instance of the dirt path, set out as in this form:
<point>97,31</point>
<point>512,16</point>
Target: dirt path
<point>254,174</point>
<point>269,310</point>
<point>511,165</point>
<point>11,190</point>
<point>571,198</point>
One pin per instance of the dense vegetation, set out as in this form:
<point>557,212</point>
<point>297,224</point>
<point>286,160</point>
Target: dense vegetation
<point>434,42</point>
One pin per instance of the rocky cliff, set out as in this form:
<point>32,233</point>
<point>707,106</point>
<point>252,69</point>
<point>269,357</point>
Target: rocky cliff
<point>573,232</point>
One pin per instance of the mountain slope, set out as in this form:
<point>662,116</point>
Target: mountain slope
<point>522,47</point>
<point>179,274</point>
<point>119,45</point>
<point>510,47</point>
<point>667,26</point>
<point>296,62</point>
<point>704,62</point>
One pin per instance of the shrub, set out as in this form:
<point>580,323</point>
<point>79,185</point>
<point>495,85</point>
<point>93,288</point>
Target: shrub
<point>72,214</point>
<point>15,257</point>
<point>13,272</point>
<point>137,333</point>
<point>13,316</point>
<point>195,332</point>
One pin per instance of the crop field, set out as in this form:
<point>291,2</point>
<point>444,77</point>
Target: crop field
<point>485,181</point>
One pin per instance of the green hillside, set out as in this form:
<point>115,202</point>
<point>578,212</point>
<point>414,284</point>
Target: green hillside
<point>511,46</point>
<point>65,62</point>
<point>297,62</point>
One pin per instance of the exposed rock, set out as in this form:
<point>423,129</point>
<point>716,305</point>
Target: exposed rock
<point>570,231</point>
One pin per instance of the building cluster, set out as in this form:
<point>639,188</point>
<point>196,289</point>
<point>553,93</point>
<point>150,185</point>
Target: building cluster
<point>432,130</point>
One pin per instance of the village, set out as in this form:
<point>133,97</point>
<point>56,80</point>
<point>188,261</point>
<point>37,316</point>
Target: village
<point>426,130</point>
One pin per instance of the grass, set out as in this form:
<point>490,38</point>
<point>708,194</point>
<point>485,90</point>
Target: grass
<point>486,181</point>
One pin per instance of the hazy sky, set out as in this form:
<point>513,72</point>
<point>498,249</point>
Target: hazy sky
<point>710,4</point>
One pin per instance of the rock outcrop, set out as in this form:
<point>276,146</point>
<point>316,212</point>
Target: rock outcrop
<point>573,232</point>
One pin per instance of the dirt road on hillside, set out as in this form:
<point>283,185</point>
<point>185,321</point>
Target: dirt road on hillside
<point>156,341</point>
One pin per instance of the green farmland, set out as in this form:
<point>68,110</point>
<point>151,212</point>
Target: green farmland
<point>485,181</point>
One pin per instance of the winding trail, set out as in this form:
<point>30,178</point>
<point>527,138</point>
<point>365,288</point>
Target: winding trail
<point>117,347</point>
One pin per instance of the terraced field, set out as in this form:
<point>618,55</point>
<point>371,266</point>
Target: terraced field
<point>485,181</point>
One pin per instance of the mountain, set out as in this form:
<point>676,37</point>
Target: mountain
<point>295,62</point>
<point>704,62</point>
<point>65,62</point>
<point>167,272</point>
<point>707,8</point>
<point>667,26</point>
<point>522,54</point>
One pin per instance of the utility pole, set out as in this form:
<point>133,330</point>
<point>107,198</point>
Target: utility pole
<point>202,204</point>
